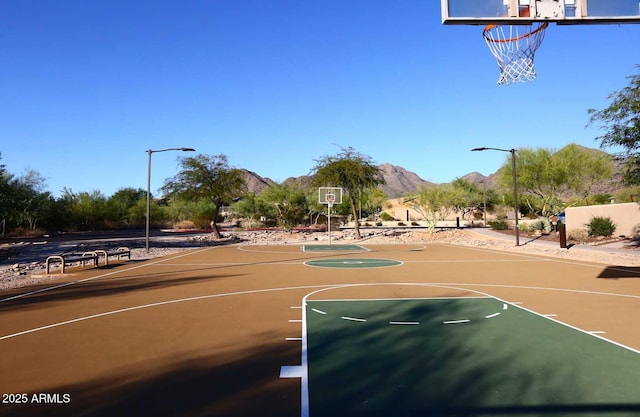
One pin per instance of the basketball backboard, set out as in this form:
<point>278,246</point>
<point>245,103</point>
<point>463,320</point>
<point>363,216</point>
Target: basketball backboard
<point>330,195</point>
<point>511,12</point>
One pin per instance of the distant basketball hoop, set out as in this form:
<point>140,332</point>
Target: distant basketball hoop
<point>330,199</point>
<point>329,196</point>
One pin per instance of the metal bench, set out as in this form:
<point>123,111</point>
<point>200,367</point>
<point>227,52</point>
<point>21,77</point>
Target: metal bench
<point>68,258</point>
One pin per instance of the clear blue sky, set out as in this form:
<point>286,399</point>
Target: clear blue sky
<point>88,86</point>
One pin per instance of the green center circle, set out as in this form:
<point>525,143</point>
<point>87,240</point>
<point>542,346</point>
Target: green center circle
<point>353,263</point>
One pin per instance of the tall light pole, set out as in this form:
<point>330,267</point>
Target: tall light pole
<point>515,183</point>
<point>148,219</point>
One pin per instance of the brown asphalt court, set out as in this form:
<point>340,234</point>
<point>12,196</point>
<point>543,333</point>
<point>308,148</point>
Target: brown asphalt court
<point>205,332</point>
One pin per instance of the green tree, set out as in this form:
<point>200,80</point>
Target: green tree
<point>621,123</point>
<point>198,212</point>
<point>546,176</point>
<point>435,203</point>
<point>88,210</point>
<point>207,177</point>
<point>252,207</point>
<point>121,202</point>
<point>352,171</point>
<point>137,214</point>
<point>371,201</point>
<point>584,168</point>
<point>473,197</point>
<point>288,202</point>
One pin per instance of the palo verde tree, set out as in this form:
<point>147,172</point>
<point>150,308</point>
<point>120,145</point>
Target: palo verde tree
<point>545,176</point>
<point>436,202</point>
<point>206,177</point>
<point>621,123</point>
<point>352,171</point>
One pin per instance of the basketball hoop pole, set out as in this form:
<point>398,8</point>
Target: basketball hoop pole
<point>329,221</point>
<point>329,196</point>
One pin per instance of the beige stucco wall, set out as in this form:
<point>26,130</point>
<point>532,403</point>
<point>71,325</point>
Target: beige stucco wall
<point>625,216</point>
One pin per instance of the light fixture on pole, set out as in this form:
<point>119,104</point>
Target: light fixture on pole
<point>515,183</point>
<point>148,217</point>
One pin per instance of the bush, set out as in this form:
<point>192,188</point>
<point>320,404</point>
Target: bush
<point>524,227</point>
<point>601,226</point>
<point>386,217</point>
<point>542,225</point>
<point>184,225</point>
<point>578,235</point>
<point>401,224</point>
<point>415,224</point>
<point>498,225</point>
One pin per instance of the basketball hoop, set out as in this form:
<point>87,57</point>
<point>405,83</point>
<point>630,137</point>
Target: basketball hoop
<point>330,200</point>
<point>515,51</point>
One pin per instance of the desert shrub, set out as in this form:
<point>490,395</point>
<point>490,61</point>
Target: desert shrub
<point>578,235</point>
<point>498,225</point>
<point>524,227</point>
<point>415,224</point>
<point>386,217</point>
<point>601,226</point>
<point>378,223</point>
<point>184,225</point>
<point>542,225</point>
<point>401,224</point>
<point>478,215</point>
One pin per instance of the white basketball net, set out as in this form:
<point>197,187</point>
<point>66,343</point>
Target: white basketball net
<point>514,47</point>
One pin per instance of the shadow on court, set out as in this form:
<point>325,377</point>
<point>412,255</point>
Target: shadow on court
<point>617,272</point>
<point>104,288</point>
<point>238,384</point>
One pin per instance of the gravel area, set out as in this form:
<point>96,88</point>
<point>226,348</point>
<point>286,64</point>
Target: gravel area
<point>20,275</point>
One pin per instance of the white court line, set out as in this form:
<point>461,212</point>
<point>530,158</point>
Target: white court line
<point>408,323</point>
<point>158,304</point>
<point>295,321</point>
<point>402,298</point>
<point>315,310</point>
<point>490,316</point>
<point>456,321</point>
<point>352,319</point>
<point>293,339</point>
<point>291,371</point>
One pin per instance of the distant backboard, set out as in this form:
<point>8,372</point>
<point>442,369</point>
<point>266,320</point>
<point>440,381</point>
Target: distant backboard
<point>482,12</point>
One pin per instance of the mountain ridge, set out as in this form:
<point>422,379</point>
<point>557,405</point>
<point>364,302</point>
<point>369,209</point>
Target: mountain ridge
<point>400,181</point>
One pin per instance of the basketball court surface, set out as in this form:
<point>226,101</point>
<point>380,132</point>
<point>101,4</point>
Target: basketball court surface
<point>365,330</point>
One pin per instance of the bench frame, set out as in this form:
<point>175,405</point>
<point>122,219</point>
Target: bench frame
<point>122,251</point>
<point>70,258</point>
<point>83,258</point>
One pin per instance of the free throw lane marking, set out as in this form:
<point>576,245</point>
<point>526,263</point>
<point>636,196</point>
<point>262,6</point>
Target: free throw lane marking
<point>352,319</point>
